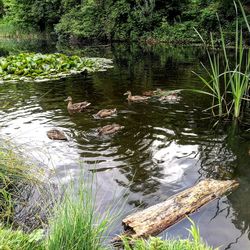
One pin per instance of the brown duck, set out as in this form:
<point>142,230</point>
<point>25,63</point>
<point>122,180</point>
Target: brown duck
<point>55,134</point>
<point>76,107</point>
<point>151,92</point>
<point>110,129</point>
<point>170,98</point>
<point>105,113</point>
<point>148,93</point>
<point>135,98</point>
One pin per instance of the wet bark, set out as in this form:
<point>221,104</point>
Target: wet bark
<point>159,217</point>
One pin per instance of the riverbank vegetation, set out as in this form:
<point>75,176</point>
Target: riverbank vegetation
<point>151,20</point>
<point>15,176</point>
<point>76,223</point>
<point>156,243</point>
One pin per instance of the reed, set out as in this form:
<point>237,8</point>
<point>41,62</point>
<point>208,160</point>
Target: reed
<point>228,80</point>
<point>213,84</point>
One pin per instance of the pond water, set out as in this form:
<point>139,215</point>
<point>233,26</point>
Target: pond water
<point>163,149</point>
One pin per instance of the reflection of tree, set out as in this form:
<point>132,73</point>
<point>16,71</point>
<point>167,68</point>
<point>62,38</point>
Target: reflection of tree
<point>134,148</point>
<point>240,200</point>
<point>226,157</point>
<point>217,161</point>
<point>33,45</point>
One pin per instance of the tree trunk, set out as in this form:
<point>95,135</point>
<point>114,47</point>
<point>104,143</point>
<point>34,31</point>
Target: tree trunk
<point>157,218</point>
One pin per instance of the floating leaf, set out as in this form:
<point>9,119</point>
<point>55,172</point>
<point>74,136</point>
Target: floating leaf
<point>31,66</point>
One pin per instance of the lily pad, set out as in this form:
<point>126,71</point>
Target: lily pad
<point>37,67</point>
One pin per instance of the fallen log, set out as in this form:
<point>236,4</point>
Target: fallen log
<point>159,217</point>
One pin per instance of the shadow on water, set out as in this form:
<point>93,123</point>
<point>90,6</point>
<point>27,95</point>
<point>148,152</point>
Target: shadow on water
<point>163,149</point>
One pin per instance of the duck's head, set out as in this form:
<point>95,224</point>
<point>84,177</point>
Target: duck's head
<point>69,99</point>
<point>127,93</point>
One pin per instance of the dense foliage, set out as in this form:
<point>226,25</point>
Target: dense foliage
<point>122,19</point>
<point>28,66</point>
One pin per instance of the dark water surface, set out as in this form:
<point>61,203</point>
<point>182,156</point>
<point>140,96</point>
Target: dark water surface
<point>163,149</point>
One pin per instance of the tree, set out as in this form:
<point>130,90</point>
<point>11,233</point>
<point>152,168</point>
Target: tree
<point>36,13</point>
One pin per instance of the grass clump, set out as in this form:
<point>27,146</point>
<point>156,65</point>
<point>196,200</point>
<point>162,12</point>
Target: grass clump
<point>32,66</point>
<point>155,243</point>
<point>76,225</point>
<point>15,174</point>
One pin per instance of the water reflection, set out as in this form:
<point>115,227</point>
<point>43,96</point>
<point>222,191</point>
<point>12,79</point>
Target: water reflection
<point>163,149</point>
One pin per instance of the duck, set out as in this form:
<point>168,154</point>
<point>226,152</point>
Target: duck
<point>105,113</point>
<point>148,93</point>
<point>110,129</point>
<point>135,98</point>
<point>171,97</point>
<point>76,107</point>
<point>152,92</point>
<point>56,134</point>
<point>158,91</point>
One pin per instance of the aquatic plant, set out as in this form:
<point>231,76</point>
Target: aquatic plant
<point>31,66</point>
<point>239,72</point>
<point>228,81</point>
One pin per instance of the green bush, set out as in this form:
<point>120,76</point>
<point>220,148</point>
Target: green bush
<point>177,33</point>
<point>81,22</point>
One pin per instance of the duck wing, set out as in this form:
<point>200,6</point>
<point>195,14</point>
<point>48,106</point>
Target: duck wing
<point>140,98</point>
<point>75,106</point>
<point>84,104</point>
